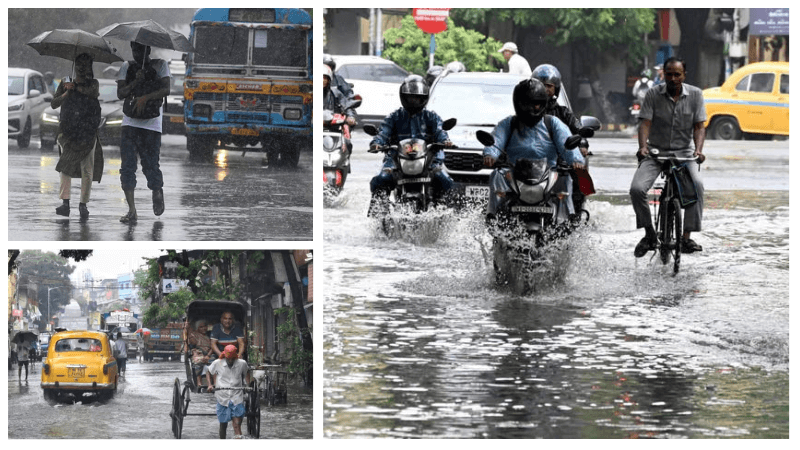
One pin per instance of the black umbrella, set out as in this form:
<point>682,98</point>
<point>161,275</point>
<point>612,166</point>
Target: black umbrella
<point>23,336</point>
<point>67,44</point>
<point>147,32</point>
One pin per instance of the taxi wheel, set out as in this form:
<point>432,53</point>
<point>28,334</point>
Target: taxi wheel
<point>726,128</point>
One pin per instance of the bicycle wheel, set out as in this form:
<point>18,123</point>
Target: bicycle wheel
<point>677,228</point>
<point>664,228</point>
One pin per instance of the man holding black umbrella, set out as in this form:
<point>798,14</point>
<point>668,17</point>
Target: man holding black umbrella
<point>142,83</point>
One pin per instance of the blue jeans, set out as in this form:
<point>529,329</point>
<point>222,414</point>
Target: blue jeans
<point>144,144</point>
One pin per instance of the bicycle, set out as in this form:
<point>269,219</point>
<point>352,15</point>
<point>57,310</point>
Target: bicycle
<point>667,209</point>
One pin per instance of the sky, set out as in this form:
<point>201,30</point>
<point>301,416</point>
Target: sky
<point>113,262</point>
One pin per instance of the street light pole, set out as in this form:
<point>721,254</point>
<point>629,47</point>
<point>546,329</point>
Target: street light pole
<point>48,303</point>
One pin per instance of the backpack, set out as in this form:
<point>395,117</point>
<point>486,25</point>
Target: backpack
<point>150,84</point>
<point>80,117</point>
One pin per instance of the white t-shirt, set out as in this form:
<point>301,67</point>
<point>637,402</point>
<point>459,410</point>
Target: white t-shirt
<point>154,124</point>
<point>228,377</point>
<point>519,65</point>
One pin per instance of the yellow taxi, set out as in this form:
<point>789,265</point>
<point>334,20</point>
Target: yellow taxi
<point>78,363</point>
<point>754,99</point>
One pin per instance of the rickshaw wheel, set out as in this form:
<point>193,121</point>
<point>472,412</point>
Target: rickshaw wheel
<point>177,410</point>
<point>254,411</point>
<point>185,399</point>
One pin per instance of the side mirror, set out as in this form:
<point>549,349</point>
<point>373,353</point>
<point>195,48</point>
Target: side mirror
<point>371,129</point>
<point>33,93</point>
<point>590,122</point>
<point>573,141</point>
<point>586,132</point>
<point>485,138</point>
<point>355,103</point>
<point>449,124</point>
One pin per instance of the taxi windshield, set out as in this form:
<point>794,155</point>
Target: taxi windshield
<point>78,345</point>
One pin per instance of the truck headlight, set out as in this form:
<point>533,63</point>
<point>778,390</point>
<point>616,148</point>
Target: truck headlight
<point>111,121</point>
<point>292,114</point>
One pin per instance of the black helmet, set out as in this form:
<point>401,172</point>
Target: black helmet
<point>529,94</point>
<point>327,59</point>
<point>432,73</point>
<point>414,93</point>
<point>548,74</point>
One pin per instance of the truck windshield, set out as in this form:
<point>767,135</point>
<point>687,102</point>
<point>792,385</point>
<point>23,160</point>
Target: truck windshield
<point>280,47</point>
<point>221,45</point>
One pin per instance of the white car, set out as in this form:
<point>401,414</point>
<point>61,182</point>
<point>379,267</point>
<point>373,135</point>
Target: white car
<point>376,80</point>
<point>27,99</point>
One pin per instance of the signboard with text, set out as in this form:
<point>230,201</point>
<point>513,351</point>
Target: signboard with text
<point>431,20</point>
<point>769,21</point>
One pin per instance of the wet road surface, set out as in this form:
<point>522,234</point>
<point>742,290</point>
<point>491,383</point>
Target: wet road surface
<point>230,198</point>
<point>419,342</point>
<point>140,410</point>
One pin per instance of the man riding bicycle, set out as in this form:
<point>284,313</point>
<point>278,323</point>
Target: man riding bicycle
<point>671,119</point>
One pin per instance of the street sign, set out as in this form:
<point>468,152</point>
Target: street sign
<point>431,20</point>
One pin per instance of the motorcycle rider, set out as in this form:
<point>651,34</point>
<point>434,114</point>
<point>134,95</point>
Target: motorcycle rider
<point>642,85</point>
<point>526,135</point>
<point>412,120</point>
<point>337,80</point>
<point>334,100</point>
<point>551,78</point>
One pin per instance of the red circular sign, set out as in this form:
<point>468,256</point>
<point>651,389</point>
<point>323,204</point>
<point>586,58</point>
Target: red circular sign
<point>431,20</point>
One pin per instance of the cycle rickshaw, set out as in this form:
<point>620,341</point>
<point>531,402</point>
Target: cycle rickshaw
<point>211,311</point>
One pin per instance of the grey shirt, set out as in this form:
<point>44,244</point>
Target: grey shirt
<point>673,122</point>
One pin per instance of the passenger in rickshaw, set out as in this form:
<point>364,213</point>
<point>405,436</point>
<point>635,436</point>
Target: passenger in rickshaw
<point>227,332</point>
<point>230,372</point>
<point>200,347</point>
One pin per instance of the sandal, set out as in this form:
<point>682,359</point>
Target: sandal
<point>129,218</point>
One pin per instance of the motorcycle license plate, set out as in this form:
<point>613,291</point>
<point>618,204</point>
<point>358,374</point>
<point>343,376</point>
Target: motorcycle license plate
<point>244,132</point>
<point>533,209</point>
<point>76,372</point>
<point>477,192</point>
<point>176,119</point>
<point>414,180</point>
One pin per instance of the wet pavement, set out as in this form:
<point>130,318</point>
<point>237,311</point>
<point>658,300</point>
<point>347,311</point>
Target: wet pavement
<point>419,342</point>
<point>231,198</point>
<point>140,410</point>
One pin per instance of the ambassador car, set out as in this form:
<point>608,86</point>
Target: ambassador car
<point>753,100</point>
<point>79,363</point>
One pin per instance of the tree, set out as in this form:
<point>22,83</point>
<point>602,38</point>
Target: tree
<point>76,255</point>
<point>409,47</point>
<point>594,34</point>
<point>49,272</point>
<point>692,24</point>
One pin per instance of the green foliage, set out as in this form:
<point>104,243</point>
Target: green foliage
<point>409,47</point>
<point>598,29</point>
<point>46,270</point>
<point>289,334</point>
<point>173,310</point>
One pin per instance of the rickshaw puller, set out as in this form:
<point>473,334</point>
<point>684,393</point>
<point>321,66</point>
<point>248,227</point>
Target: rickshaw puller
<point>230,372</point>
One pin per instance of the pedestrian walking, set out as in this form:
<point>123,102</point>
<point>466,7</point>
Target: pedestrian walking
<point>22,358</point>
<point>230,372</point>
<point>142,83</point>
<point>120,353</point>
<point>81,153</point>
<point>516,63</point>
<point>671,119</point>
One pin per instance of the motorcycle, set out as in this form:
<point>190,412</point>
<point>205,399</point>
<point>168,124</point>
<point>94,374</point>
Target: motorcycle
<point>412,159</point>
<point>536,213</point>
<point>337,149</point>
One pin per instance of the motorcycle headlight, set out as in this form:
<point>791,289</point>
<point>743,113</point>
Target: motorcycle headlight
<point>330,143</point>
<point>52,118</point>
<point>412,166</point>
<point>531,193</point>
<point>16,107</point>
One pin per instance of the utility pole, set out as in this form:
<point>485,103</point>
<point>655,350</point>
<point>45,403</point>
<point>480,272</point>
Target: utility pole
<point>300,313</point>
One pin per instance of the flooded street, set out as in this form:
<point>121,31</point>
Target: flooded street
<point>420,343</point>
<point>232,197</point>
<point>140,410</point>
